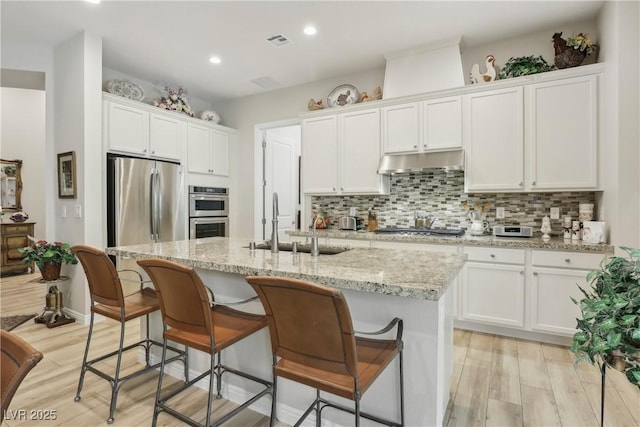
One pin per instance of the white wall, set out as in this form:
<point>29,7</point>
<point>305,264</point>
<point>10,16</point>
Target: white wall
<point>244,113</point>
<point>23,138</point>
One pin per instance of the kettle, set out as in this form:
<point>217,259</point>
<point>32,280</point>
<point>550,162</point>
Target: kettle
<point>422,220</point>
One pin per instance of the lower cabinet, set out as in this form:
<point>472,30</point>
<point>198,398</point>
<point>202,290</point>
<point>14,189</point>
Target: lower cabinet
<point>493,287</point>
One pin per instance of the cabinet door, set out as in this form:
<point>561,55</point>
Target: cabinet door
<point>400,128</point>
<point>220,152</point>
<point>128,129</point>
<point>563,134</point>
<point>493,293</point>
<point>167,136</point>
<point>320,155</point>
<point>198,149</point>
<point>493,140</point>
<point>550,302</point>
<point>442,123</point>
<point>360,152</point>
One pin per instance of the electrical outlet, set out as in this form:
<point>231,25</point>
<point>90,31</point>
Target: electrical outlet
<point>78,211</point>
<point>64,212</point>
<point>499,213</point>
<point>554,213</point>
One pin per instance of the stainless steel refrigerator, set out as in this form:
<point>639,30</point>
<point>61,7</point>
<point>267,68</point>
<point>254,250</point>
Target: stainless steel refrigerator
<point>146,202</point>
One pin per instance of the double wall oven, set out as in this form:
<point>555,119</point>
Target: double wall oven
<point>208,212</point>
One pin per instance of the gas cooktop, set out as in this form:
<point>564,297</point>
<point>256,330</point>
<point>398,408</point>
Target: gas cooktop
<point>421,231</point>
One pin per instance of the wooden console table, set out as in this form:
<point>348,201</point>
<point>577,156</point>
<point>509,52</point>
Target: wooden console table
<point>14,236</point>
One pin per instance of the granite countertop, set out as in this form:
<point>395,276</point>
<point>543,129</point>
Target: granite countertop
<point>405,273</point>
<point>536,242</point>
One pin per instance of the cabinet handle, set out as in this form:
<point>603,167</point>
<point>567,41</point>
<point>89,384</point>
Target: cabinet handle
<point>521,271</point>
<point>520,184</point>
<point>334,188</point>
<point>567,260</point>
<point>533,183</point>
<point>425,146</point>
<point>492,256</point>
<point>341,188</point>
<point>415,146</point>
<point>144,150</point>
<point>153,152</point>
<point>535,273</point>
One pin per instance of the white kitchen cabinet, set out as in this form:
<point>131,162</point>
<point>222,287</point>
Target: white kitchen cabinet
<point>562,130</point>
<point>167,134</point>
<point>554,280</point>
<point>127,128</point>
<point>208,150</point>
<point>442,124</point>
<point>134,130</point>
<point>341,153</point>
<point>401,128</point>
<point>493,286</point>
<point>493,135</point>
<point>431,125</point>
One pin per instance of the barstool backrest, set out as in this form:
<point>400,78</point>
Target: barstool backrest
<point>183,298</point>
<point>308,323</point>
<point>104,284</point>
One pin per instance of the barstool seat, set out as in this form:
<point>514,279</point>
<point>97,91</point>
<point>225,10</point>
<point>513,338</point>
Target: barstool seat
<point>314,343</point>
<point>191,317</point>
<point>108,300</point>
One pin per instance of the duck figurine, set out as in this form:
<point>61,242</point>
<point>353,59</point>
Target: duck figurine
<point>489,76</point>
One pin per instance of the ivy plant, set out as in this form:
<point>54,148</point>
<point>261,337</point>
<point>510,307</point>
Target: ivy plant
<point>524,65</point>
<point>610,323</point>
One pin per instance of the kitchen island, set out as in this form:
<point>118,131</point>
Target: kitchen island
<point>379,284</point>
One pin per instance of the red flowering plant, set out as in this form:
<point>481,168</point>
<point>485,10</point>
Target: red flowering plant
<point>42,252</point>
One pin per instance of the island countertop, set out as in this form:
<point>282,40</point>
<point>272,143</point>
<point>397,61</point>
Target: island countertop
<point>405,273</point>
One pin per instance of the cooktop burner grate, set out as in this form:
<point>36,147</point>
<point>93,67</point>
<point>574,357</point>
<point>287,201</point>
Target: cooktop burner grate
<point>421,231</point>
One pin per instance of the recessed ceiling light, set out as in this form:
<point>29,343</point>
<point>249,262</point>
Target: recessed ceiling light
<point>310,30</point>
<point>93,1</point>
<point>215,60</point>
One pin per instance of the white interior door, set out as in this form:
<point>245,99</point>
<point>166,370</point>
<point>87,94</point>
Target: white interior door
<point>282,151</point>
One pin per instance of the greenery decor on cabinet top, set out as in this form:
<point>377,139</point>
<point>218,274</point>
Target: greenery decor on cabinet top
<point>524,65</point>
<point>609,331</point>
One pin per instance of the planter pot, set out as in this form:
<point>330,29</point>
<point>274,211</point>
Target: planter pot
<point>50,271</point>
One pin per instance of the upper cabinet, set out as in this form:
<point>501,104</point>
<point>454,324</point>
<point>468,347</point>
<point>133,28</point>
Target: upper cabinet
<point>562,134</point>
<point>494,140</point>
<point>208,150</point>
<point>430,125</point>
<point>537,137</point>
<point>134,130</point>
<point>341,152</point>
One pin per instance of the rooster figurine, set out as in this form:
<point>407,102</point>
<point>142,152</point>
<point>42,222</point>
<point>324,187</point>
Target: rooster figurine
<point>489,76</point>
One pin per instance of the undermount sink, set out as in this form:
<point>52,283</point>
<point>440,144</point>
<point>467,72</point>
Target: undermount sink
<point>306,248</point>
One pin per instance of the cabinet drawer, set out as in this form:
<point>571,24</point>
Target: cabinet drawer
<point>566,259</point>
<point>507,256</point>
<point>16,229</point>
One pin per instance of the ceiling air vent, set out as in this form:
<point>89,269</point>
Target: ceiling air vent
<point>265,82</point>
<point>278,40</point>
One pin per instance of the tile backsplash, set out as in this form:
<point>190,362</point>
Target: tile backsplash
<point>442,195</point>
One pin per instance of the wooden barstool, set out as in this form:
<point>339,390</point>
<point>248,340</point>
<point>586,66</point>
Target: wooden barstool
<point>191,317</point>
<point>313,343</point>
<point>107,299</point>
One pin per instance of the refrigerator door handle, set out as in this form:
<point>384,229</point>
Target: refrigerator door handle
<point>152,204</point>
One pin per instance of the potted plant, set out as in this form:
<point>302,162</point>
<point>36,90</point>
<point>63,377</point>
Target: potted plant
<point>524,65</point>
<point>48,257</point>
<point>609,330</point>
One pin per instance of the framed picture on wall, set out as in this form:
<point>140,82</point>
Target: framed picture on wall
<point>67,175</point>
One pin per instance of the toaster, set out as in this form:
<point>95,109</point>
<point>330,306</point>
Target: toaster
<point>347,223</point>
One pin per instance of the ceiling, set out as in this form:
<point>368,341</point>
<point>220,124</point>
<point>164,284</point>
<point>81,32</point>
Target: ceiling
<point>171,41</point>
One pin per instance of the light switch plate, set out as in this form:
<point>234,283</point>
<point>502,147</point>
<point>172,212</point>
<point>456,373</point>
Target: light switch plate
<point>554,213</point>
<point>499,213</point>
<point>64,212</point>
<point>78,211</point>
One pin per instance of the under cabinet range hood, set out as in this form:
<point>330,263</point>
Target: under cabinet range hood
<point>421,162</point>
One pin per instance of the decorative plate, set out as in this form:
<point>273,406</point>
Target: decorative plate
<point>126,89</point>
<point>343,95</point>
<point>210,116</point>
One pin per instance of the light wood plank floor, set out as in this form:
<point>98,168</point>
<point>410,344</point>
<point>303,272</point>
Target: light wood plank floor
<point>496,381</point>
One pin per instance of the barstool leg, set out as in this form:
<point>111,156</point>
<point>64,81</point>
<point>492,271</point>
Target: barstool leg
<point>210,397</point>
<point>147,344</point>
<point>186,364</point>
<point>156,407</point>
<point>219,376</point>
<point>357,413</point>
<point>401,391</point>
<point>274,390</point>
<point>83,369</point>
<point>115,387</point>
